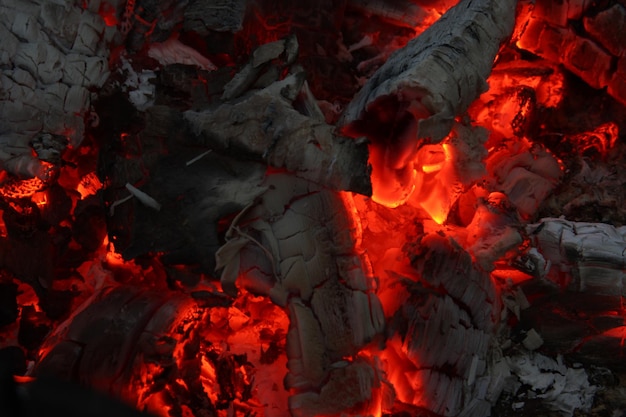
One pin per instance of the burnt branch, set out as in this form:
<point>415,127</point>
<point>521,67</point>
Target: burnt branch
<point>436,76</point>
<point>265,126</point>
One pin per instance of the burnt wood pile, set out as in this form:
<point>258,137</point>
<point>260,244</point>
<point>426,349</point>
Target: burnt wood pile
<point>315,208</point>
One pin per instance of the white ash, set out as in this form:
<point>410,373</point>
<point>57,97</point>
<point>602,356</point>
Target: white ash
<point>562,388</point>
<point>52,54</point>
<point>439,73</point>
<point>594,254</point>
<point>138,85</point>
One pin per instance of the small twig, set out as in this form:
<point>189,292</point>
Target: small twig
<point>117,203</point>
<point>197,158</point>
<point>260,245</point>
<point>145,199</point>
<point>233,224</point>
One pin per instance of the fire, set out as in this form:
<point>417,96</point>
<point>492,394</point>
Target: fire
<point>469,194</point>
<point>89,185</point>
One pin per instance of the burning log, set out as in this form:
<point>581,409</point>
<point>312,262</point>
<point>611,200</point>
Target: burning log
<point>146,333</point>
<point>461,45</point>
<point>447,326</point>
<point>295,246</point>
<point>245,172</point>
<point>154,350</point>
<point>415,96</point>
<point>549,33</point>
<point>586,263</point>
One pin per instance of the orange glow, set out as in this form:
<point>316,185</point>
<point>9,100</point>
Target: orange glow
<point>115,262</point>
<point>437,193</point>
<point>40,198</point>
<point>418,188</point>
<point>524,14</point>
<point>114,258</point>
<point>3,227</point>
<point>514,276</point>
<point>550,93</point>
<point>391,186</point>
<point>23,379</point>
<point>108,14</point>
<point>515,89</point>
<point>89,185</point>
<point>26,296</point>
<point>405,376</point>
<point>15,188</point>
<point>425,178</point>
<point>617,333</point>
<point>602,139</point>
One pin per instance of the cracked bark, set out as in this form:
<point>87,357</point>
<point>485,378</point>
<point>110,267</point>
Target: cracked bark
<point>266,127</point>
<point>436,76</point>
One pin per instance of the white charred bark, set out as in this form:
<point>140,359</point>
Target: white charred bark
<point>52,52</point>
<point>265,126</point>
<point>296,246</point>
<point>436,76</point>
<point>448,327</point>
<point>580,313</point>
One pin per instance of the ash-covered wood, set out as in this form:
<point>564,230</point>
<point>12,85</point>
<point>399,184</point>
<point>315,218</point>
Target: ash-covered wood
<point>258,73</point>
<point>296,246</point>
<point>552,34</point>
<point>52,54</point>
<point>580,315</point>
<point>437,75</point>
<point>202,16</point>
<point>265,126</point>
<point>350,386</point>
<point>546,386</point>
<point>447,326</point>
<point>401,12</point>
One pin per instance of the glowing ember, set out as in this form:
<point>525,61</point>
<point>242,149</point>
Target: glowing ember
<point>190,263</point>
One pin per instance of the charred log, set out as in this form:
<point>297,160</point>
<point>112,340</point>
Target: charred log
<point>579,316</point>
<point>54,55</point>
<point>415,96</point>
<point>202,16</point>
<point>128,336</point>
<point>447,327</point>
<point>266,127</point>
<point>296,247</point>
